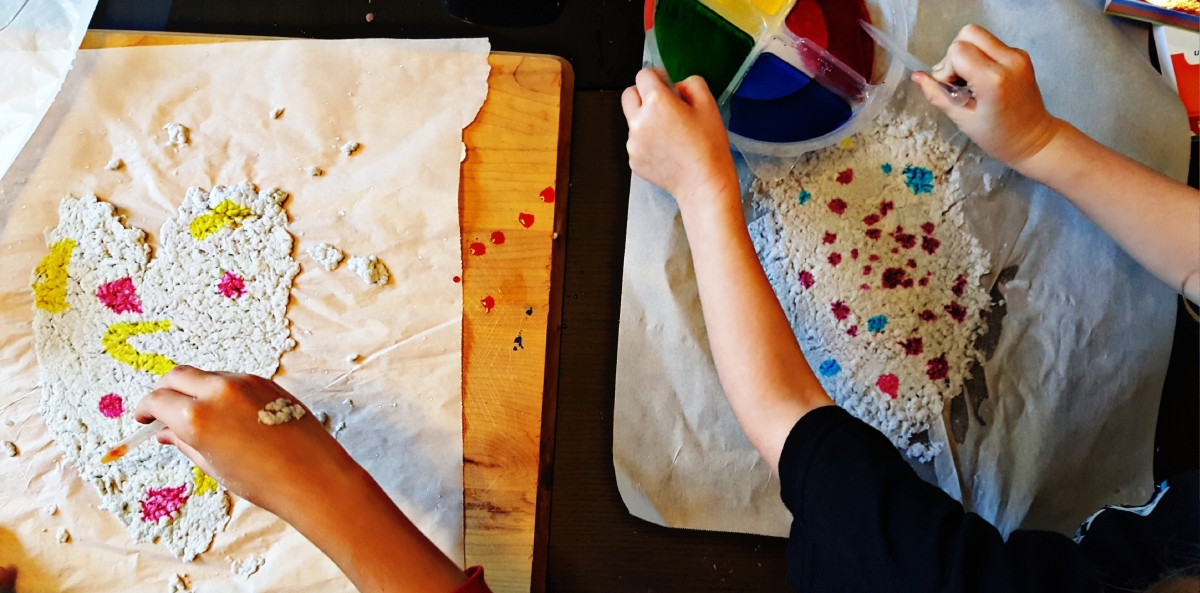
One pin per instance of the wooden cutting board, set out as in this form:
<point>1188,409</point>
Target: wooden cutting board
<point>513,182</point>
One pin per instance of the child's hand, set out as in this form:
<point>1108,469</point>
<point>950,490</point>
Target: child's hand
<point>213,419</point>
<point>1007,117</point>
<point>678,142</point>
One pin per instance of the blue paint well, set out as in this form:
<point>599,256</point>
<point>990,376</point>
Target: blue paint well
<point>918,179</point>
<point>778,103</point>
<point>829,368</point>
<point>877,323</point>
<point>804,197</point>
<point>886,168</point>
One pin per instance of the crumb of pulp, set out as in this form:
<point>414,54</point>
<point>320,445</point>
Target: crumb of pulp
<point>114,164</point>
<point>327,255</point>
<point>10,448</point>
<point>280,411</point>
<point>350,148</point>
<point>178,135</point>
<point>370,269</point>
<point>63,536</point>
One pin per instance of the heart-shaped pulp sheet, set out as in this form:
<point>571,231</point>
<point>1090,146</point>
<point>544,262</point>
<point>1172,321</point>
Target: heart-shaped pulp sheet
<point>109,321</point>
<point>865,247</point>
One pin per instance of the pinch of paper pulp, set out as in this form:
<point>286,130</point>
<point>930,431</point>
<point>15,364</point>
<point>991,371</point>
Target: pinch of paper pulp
<point>400,192</point>
<point>1074,381</point>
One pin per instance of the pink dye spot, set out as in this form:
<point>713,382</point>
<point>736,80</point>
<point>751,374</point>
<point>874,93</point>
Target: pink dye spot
<point>853,331</point>
<point>488,303</point>
<point>525,219</point>
<point>957,311</point>
<point>120,296</point>
<point>854,254</point>
<point>871,219</point>
<point>930,245</point>
<point>112,405</point>
<point>547,195</point>
<point>908,283</point>
<point>927,315</point>
<point>806,279</point>
<point>937,368</point>
<point>835,258</point>
<point>837,206</point>
<point>913,346</point>
<point>867,270</point>
<point>873,257</point>
<point>232,285</point>
<point>912,263</point>
<point>889,384</point>
<point>895,250</point>
<point>845,177</point>
<point>864,287</point>
<point>874,234</point>
<point>960,286</point>
<point>477,249</point>
<point>905,240</point>
<point>923,282</point>
<point>163,502</point>
<point>829,238</point>
<point>927,228</point>
<point>885,207</point>
<point>840,310</point>
<point>497,238</point>
<point>457,279</point>
<point>893,277</point>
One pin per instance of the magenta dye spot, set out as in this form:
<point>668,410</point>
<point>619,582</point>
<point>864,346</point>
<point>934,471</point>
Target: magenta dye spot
<point>867,270</point>
<point>871,219</point>
<point>895,250</point>
<point>889,384</point>
<point>840,310</point>
<point>829,238</point>
<point>913,346</point>
<point>853,331</point>
<point>873,257</point>
<point>893,277</point>
<point>923,282</point>
<point>937,368</point>
<point>912,263</point>
<point>837,206</point>
<point>163,502</point>
<point>232,285</point>
<point>927,315</point>
<point>927,228</point>
<point>806,279</point>
<point>835,258</point>
<point>957,311</point>
<point>930,245</point>
<point>845,177</point>
<point>908,283</point>
<point>960,286</point>
<point>864,287</point>
<point>885,207</point>
<point>905,240</point>
<point>120,296</point>
<point>874,234</point>
<point>112,405</point>
<point>854,254</point>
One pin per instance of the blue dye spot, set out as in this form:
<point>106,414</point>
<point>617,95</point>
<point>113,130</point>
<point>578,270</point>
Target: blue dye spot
<point>918,179</point>
<point>829,368</point>
<point>804,197</point>
<point>529,311</point>
<point>520,343</point>
<point>887,168</point>
<point>877,323</point>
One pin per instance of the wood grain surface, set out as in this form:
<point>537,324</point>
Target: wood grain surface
<point>513,182</point>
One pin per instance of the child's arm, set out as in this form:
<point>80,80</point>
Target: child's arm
<point>1156,220</point>
<point>297,471</point>
<point>679,144</point>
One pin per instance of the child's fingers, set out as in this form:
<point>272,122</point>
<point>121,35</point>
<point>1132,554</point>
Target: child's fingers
<point>650,85</point>
<point>991,45</point>
<point>171,407</point>
<point>694,90</point>
<point>631,101</point>
<point>932,90</point>
<point>965,60</point>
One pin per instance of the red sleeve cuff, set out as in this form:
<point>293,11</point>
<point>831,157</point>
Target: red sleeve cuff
<point>474,582</point>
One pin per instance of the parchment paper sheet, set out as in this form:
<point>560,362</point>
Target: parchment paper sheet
<point>406,102</point>
<point>1066,424</point>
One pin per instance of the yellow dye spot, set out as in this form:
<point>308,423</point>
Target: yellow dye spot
<point>226,214</point>
<point>203,482</point>
<point>116,344</point>
<point>847,143</point>
<point>50,288</point>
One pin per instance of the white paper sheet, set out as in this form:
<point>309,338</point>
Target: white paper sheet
<point>1075,377</point>
<point>406,102</point>
<point>38,41</point>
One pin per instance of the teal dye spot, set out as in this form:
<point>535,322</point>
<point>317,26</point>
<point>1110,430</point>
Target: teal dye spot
<point>877,323</point>
<point>887,168</point>
<point>829,368</point>
<point>804,197</point>
<point>918,179</point>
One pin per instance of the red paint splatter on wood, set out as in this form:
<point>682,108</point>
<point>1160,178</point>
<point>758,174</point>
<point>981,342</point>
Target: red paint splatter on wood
<point>111,405</point>
<point>956,311</point>
<point>488,303</point>
<point>829,238</point>
<point>845,177</point>
<point>867,270</point>
<point>497,238</point>
<point>960,286</point>
<point>885,207</point>
<point>874,234</point>
<point>120,296</point>
<point>163,502</point>
<point>835,258</point>
<point>232,285</point>
<point>871,219</point>
<point>547,195</point>
<point>840,310</point>
<point>889,384</point>
<point>837,206</point>
<point>457,279</point>
<point>913,346</point>
<point>893,277</point>
<point>927,228</point>
<point>477,249</point>
<point>806,279</point>
<point>937,368</point>
<point>854,254</point>
<point>853,331</point>
<point>525,219</point>
<point>927,315</point>
<point>930,245</point>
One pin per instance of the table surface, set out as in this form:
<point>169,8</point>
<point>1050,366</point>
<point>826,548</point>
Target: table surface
<point>511,218</point>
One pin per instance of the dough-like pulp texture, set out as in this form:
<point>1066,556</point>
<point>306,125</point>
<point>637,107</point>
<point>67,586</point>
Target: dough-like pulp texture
<point>9,448</point>
<point>178,584</point>
<point>280,411</point>
<point>114,164</point>
<point>327,255</point>
<point>245,567</point>
<point>178,135</point>
<point>350,148</point>
<point>370,269</point>
<point>62,536</point>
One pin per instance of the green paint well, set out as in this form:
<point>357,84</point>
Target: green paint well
<point>694,40</point>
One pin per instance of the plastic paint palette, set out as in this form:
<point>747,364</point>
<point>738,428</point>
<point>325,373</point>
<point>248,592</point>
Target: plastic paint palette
<point>786,72</point>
